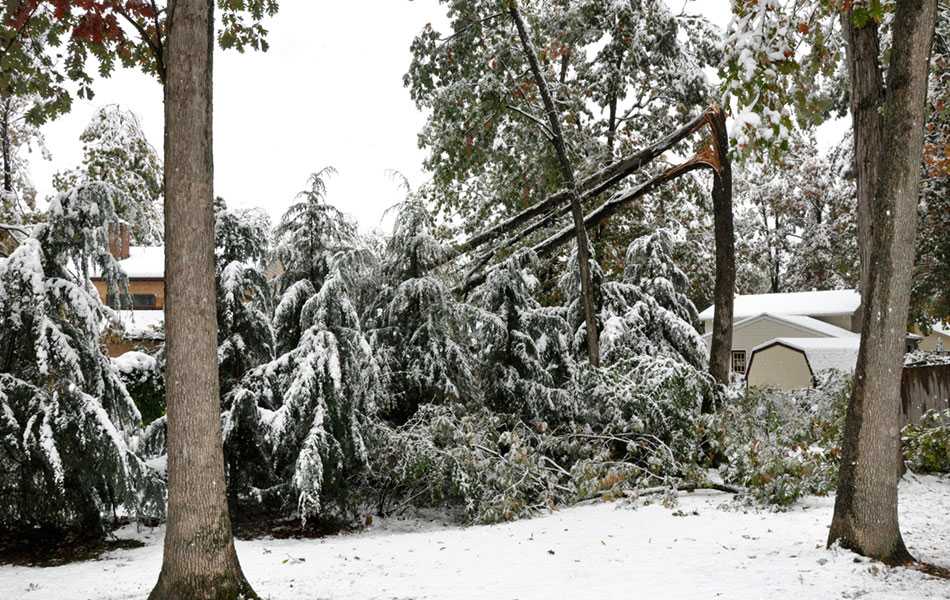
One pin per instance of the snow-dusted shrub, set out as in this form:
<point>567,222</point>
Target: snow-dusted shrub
<point>424,339</point>
<point>66,419</point>
<point>490,465</point>
<point>526,361</point>
<point>927,443</point>
<point>780,446</point>
<point>920,358</point>
<point>144,379</point>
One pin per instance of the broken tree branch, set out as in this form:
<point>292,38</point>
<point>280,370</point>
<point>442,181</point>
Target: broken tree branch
<point>590,187</point>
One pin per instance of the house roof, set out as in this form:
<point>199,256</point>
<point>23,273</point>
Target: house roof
<point>839,353</point>
<point>816,326</point>
<point>144,262</point>
<point>825,303</point>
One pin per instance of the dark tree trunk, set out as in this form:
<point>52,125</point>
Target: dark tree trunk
<point>865,518</point>
<point>6,143</point>
<point>867,99</point>
<point>200,561</point>
<point>567,174</point>
<point>720,352</point>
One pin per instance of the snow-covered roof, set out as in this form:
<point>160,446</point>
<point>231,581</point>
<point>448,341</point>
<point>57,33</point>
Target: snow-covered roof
<point>839,353</point>
<point>823,303</point>
<point>142,324</point>
<point>144,262</point>
<point>815,325</point>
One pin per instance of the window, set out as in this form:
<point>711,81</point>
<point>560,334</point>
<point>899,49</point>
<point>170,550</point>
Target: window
<point>135,301</point>
<point>143,300</point>
<point>738,362</point>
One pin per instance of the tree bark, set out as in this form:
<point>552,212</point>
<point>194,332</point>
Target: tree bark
<point>720,351</point>
<point>199,561</point>
<point>567,174</point>
<point>865,518</point>
<point>867,98</point>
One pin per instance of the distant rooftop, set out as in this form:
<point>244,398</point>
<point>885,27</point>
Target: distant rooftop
<point>823,303</point>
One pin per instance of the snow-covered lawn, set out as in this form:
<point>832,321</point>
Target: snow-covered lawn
<point>696,550</point>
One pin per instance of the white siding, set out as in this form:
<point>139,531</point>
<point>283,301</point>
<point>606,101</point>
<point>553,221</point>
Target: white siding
<point>842,321</point>
<point>760,330</point>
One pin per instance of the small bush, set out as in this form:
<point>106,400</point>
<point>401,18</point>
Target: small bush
<point>488,464</point>
<point>927,443</point>
<point>780,446</point>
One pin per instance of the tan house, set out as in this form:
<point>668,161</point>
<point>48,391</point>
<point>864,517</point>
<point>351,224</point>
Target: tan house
<point>784,340</point>
<point>938,340</point>
<point>142,316</point>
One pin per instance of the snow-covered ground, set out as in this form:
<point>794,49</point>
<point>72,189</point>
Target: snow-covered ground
<point>699,549</point>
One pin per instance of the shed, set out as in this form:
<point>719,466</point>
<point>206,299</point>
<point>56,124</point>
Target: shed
<point>793,363</point>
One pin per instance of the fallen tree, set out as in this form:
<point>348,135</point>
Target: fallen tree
<point>714,155</point>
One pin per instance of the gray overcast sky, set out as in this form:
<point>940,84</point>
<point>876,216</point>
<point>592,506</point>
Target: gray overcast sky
<point>328,92</point>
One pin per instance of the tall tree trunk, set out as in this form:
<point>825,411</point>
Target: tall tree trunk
<point>6,144</point>
<point>200,561</point>
<point>567,174</point>
<point>720,351</point>
<point>865,518</point>
<point>867,98</point>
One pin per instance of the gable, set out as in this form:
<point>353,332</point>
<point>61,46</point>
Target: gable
<point>753,331</point>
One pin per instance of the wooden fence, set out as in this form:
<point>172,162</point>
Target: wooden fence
<point>923,389</point>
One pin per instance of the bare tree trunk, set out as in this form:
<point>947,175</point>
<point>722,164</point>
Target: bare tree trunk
<point>865,518</point>
<point>867,98</point>
<point>200,561</point>
<point>567,174</point>
<point>720,352</point>
<point>6,143</point>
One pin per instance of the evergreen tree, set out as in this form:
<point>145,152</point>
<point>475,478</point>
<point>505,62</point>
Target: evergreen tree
<point>116,151</point>
<point>245,339</point>
<point>527,360</point>
<point>293,425</point>
<point>67,419</point>
<point>824,256</point>
<point>294,429</point>
<point>18,138</point>
<point>930,299</point>
<point>648,311</point>
<point>310,233</point>
<point>421,335</point>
